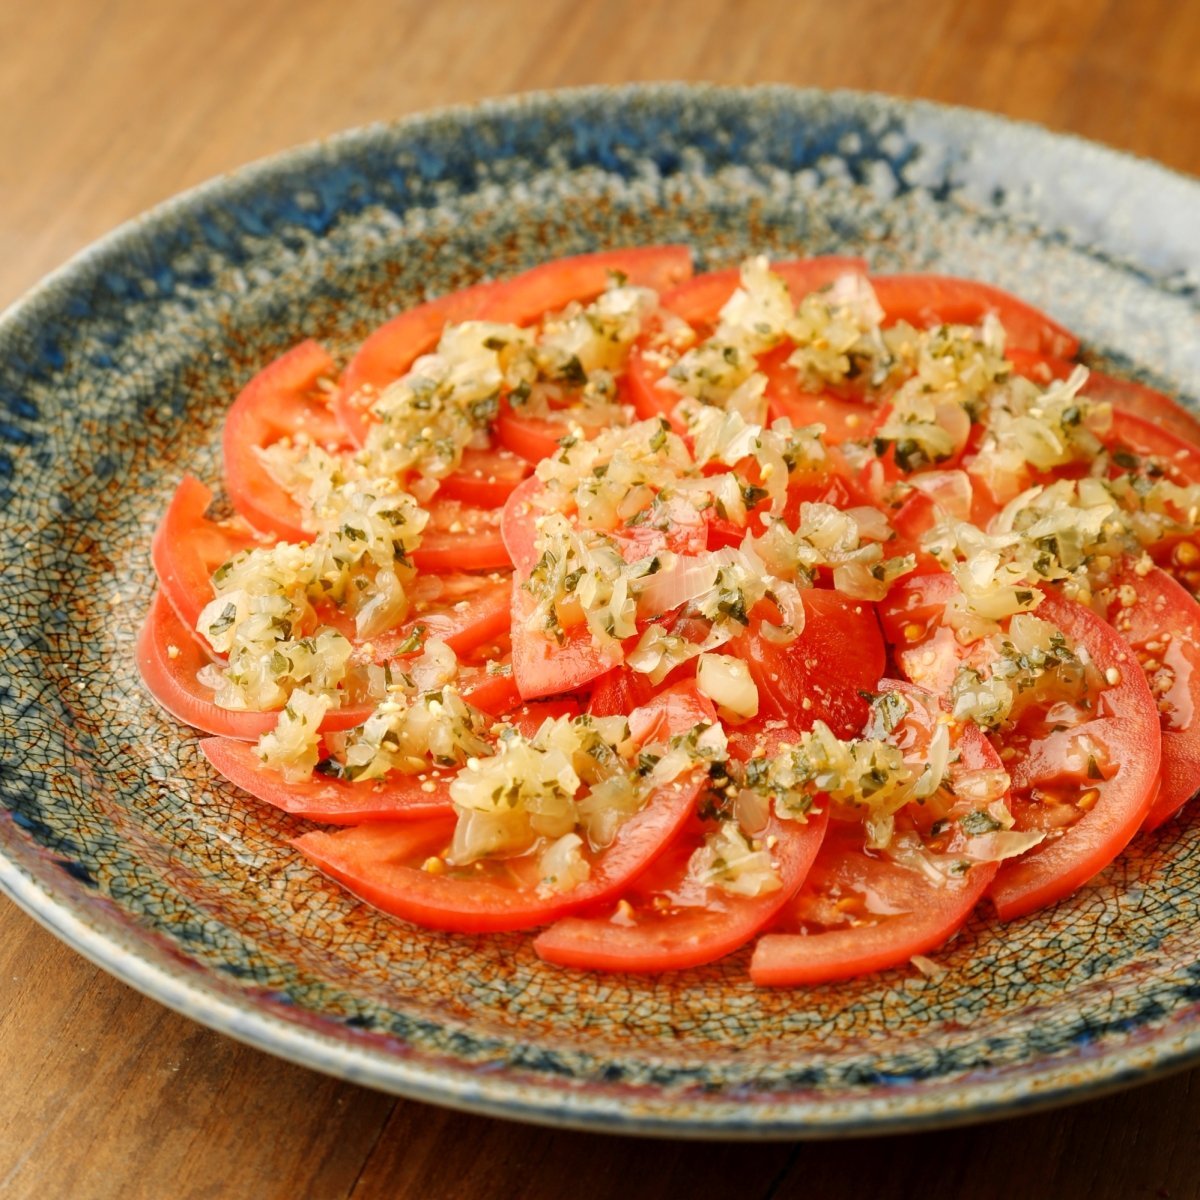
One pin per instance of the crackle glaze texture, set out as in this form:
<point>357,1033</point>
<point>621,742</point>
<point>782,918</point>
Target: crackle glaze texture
<point>114,376</point>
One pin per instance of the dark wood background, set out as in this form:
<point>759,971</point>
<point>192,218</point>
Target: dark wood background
<point>107,108</point>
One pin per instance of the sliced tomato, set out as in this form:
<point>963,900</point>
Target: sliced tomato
<point>333,801</point>
<point>1147,440</point>
<point>553,285</point>
<point>281,401</point>
<point>822,674</point>
<point>461,537</point>
<point>1126,394</point>
<point>485,477</point>
<point>1161,622</point>
<point>858,911</point>
<point>392,349</point>
<point>1109,753</point>
<point>928,300</point>
<point>845,417</point>
<point>383,862</point>
<point>699,301</point>
<point>187,548</point>
<point>619,692</point>
<point>668,921</point>
<point>169,659</point>
<point>888,913</point>
<point>532,438</point>
<point>490,687</point>
<point>465,612</point>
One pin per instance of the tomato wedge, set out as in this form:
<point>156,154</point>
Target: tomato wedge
<point>187,548</point>
<point>393,348</point>
<point>1161,623</point>
<point>333,801</point>
<point>168,659</point>
<point>859,912</point>
<point>281,401</point>
<point>821,674</point>
<point>927,300</point>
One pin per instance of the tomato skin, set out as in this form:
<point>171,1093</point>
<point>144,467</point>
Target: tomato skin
<point>821,675</point>
<point>332,801</point>
<point>554,285</point>
<point>280,401</point>
<point>390,351</point>
<point>187,547</point>
<point>925,300</point>
<point>171,680</point>
<point>1167,618</point>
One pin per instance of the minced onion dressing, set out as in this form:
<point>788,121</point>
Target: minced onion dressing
<point>563,791</point>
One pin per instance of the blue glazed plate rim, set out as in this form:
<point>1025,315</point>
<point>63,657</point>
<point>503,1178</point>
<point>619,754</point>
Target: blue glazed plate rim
<point>154,973</point>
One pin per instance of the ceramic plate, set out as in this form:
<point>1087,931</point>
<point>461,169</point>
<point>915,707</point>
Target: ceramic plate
<point>114,376</point>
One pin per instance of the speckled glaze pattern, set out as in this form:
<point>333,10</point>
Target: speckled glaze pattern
<point>114,376</point>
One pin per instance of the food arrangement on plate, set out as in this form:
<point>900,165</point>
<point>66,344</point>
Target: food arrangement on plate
<point>659,613</point>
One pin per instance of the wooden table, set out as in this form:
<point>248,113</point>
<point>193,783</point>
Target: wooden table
<point>109,107</point>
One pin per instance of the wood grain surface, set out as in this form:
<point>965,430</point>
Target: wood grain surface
<point>107,108</point>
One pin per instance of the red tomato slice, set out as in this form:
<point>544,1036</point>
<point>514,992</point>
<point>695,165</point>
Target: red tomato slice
<point>333,801</point>
<point>390,351</point>
<point>896,913</point>
<point>676,922</point>
<point>1124,733</point>
<point>1162,626</point>
<point>466,612</point>
<point>1134,398</point>
<point>382,863</point>
<point>700,300</point>
<point>532,438</point>
<point>517,526</point>
<point>485,478</point>
<point>928,300</point>
<point>281,401</point>
<point>1145,439</point>
<point>845,418</point>
<point>461,537</point>
<point>554,285</point>
<point>619,692</point>
<point>820,675</point>
<point>169,659</point>
<point>858,912</point>
<point>187,548</point>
